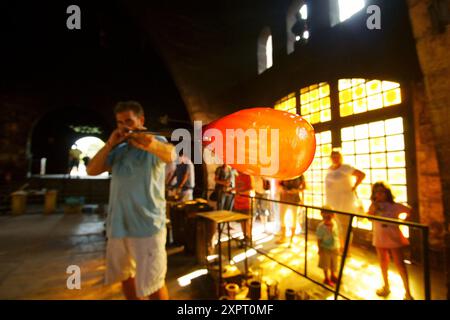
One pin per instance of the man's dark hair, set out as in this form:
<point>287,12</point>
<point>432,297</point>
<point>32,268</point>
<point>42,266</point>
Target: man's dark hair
<point>129,106</point>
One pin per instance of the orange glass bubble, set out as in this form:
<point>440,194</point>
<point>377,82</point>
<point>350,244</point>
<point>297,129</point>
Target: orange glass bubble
<point>263,142</point>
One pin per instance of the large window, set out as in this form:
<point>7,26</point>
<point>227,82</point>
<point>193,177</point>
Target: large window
<point>376,145</point>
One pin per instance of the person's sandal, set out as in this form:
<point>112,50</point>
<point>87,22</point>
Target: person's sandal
<point>383,292</point>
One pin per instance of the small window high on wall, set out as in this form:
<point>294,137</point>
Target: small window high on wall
<point>342,10</point>
<point>296,24</point>
<point>265,50</point>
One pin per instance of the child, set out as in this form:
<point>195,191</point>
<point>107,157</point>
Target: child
<point>329,245</point>
<point>387,238</point>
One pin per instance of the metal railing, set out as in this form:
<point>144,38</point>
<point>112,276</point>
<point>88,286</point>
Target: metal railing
<point>424,245</point>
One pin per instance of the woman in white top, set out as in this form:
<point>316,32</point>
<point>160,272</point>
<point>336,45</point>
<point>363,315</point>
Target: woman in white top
<point>340,189</point>
<point>387,237</point>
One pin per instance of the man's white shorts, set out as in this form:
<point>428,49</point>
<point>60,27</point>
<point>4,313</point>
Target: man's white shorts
<point>144,259</point>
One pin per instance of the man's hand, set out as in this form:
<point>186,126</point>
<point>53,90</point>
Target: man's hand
<point>148,142</point>
<point>141,140</point>
<point>116,137</point>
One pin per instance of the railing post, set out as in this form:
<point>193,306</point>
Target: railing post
<point>251,221</point>
<point>344,256</point>
<point>306,242</point>
<point>426,264</point>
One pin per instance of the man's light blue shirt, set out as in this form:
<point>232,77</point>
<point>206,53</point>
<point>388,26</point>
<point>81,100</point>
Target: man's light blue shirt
<point>137,205</point>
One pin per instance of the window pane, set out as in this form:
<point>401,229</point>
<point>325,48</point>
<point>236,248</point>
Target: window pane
<point>359,92</point>
<point>394,143</point>
<point>362,146</point>
<point>375,102</point>
<point>344,84</point>
<point>345,96</point>
<point>397,176</point>
<point>396,159</point>
<point>349,160</point>
<point>373,87</point>
<point>379,175</point>
<point>325,115</point>
<point>326,150</point>
<point>325,103</point>
<point>346,109</point>
<point>378,160</point>
<point>355,82</point>
<point>326,162</point>
<point>304,98</point>
<point>376,129</point>
<point>305,109</point>
<point>348,147</point>
<point>315,118</point>
<point>362,131</point>
<point>324,91</point>
<point>314,95</point>
<point>326,137</point>
<point>400,193</point>
<point>388,85</point>
<point>315,106</point>
<point>363,161</point>
<point>347,134</point>
<point>360,106</point>
<point>394,126</point>
<point>392,97</point>
<point>377,145</point>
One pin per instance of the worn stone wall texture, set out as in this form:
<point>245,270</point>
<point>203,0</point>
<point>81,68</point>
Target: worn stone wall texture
<point>433,52</point>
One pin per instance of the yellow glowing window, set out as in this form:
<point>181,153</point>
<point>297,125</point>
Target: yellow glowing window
<point>315,103</point>
<point>359,95</point>
<point>287,104</point>
<point>377,149</point>
<point>314,176</point>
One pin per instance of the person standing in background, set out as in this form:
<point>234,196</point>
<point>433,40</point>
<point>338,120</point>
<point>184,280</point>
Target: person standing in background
<point>340,190</point>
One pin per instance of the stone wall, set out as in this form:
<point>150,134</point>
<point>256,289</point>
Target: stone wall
<point>433,52</point>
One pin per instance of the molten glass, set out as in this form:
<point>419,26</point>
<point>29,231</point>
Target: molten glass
<point>263,142</point>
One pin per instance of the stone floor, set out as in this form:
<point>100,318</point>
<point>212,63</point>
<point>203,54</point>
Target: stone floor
<point>36,249</point>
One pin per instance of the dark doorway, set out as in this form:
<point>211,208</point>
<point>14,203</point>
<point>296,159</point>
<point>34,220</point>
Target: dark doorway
<point>56,132</point>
